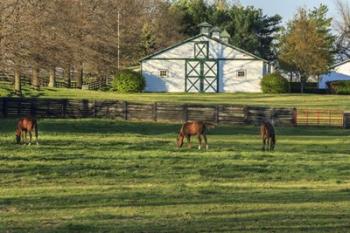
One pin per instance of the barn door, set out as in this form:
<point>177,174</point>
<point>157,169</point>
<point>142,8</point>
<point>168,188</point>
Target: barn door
<point>201,76</point>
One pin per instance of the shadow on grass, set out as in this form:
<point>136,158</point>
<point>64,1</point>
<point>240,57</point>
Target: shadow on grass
<point>177,195</point>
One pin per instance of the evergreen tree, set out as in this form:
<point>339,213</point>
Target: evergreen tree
<point>250,29</point>
<point>148,40</point>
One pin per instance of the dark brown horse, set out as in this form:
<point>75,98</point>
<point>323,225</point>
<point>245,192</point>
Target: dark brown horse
<point>268,136</point>
<point>26,125</point>
<point>194,128</point>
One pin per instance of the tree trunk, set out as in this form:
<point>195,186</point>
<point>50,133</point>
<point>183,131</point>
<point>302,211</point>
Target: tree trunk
<point>18,86</point>
<point>290,82</point>
<point>79,75</point>
<point>67,77</point>
<point>52,77</point>
<point>35,78</point>
<point>302,87</point>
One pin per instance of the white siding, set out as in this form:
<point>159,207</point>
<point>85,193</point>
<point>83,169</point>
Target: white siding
<point>343,69</point>
<point>232,61</point>
<point>175,80</point>
<point>216,51</point>
<point>230,82</point>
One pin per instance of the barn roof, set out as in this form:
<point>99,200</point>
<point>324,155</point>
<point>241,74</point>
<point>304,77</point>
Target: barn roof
<point>197,36</point>
<point>340,63</point>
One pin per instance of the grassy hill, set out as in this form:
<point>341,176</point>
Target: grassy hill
<point>108,176</point>
<point>284,100</point>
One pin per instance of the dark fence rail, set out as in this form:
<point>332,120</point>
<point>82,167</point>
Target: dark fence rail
<point>162,112</point>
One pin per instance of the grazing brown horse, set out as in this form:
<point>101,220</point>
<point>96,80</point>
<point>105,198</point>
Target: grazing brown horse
<point>193,128</point>
<point>268,135</point>
<point>26,125</point>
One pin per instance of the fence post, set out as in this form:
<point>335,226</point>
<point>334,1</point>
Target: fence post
<point>346,120</point>
<point>185,112</point>
<point>217,112</point>
<point>155,109</point>
<point>294,117</point>
<point>272,116</point>
<point>4,106</point>
<point>33,107</point>
<point>64,108</point>
<point>246,114</point>
<point>95,109</point>
<point>125,110</point>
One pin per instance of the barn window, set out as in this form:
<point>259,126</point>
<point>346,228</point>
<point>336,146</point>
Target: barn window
<point>163,73</point>
<point>241,73</point>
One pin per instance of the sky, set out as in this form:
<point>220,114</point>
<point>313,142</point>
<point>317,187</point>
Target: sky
<point>288,8</point>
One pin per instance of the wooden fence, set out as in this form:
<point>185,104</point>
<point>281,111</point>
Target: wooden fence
<point>60,82</point>
<point>320,117</point>
<point>162,112</point>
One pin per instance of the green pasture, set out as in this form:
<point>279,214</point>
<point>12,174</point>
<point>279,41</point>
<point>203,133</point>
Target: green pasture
<point>112,176</point>
<point>253,99</point>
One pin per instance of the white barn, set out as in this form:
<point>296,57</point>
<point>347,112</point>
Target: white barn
<point>204,63</point>
<point>340,71</point>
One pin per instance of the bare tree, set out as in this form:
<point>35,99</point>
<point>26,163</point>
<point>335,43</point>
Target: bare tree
<point>41,35</point>
<point>343,27</point>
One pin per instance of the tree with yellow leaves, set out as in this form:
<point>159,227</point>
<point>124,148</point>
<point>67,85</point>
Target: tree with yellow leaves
<point>306,47</point>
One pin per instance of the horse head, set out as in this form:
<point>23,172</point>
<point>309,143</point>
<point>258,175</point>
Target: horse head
<point>180,140</point>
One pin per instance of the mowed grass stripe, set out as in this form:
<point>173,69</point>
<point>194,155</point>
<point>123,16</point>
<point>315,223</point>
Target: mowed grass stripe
<point>128,177</point>
<point>301,101</point>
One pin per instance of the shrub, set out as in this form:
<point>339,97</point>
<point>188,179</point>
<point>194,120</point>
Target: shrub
<point>128,81</point>
<point>274,83</point>
<point>339,87</point>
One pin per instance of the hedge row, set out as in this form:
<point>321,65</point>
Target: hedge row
<point>339,87</point>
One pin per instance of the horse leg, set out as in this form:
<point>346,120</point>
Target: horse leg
<point>30,138</point>
<point>200,141</point>
<point>205,141</point>
<point>272,145</point>
<point>189,141</point>
<point>25,137</point>
<point>22,137</point>
<point>263,143</point>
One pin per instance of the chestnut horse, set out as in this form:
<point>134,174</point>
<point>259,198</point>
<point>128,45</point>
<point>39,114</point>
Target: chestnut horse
<point>26,125</point>
<point>268,135</point>
<point>193,128</point>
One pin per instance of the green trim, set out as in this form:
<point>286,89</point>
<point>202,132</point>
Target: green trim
<point>201,50</point>
<point>185,76</point>
<point>218,77</point>
<point>219,59</point>
<point>206,81</point>
<point>340,63</point>
<point>198,36</point>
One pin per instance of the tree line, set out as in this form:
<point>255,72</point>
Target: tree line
<point>102,36</point>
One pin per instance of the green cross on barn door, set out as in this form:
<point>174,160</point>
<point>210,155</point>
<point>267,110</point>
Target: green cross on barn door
<point>201,49</point>
<point>201,76</point>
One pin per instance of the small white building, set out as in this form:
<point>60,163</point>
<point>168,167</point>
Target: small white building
<point>340,71</point>
<point>204,63</point>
